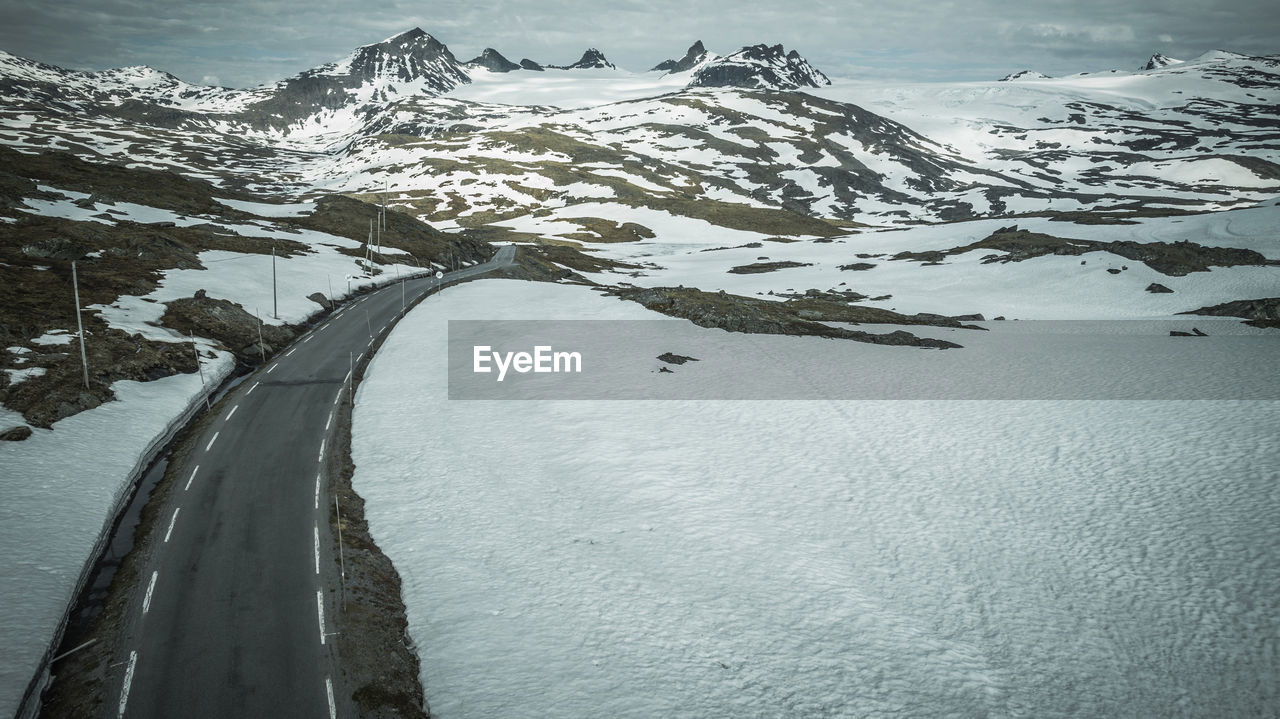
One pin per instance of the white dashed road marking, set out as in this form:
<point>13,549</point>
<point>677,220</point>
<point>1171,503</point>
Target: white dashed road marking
<point>328,687</point>
<point>320,613</point>
<point>232,412</point>
<point>128,681</point>
<point>146,601</point>
<point>171,523</point>
<point>192,478</point>
<point>215,439</point>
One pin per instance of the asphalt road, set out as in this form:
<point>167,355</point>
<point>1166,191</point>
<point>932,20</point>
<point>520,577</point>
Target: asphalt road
<point>235,603</point>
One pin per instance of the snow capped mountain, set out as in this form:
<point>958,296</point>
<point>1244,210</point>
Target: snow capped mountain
<point>1024,75</point>
<point>493,61</point>
<point>761,67</point>
<point>592,59</point>
<point>412,63</point>
<point>695,56</point>
<point>1158,61</point>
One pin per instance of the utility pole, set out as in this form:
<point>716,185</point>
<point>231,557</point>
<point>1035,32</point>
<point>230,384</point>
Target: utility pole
<point>275,303</point>
<point>84,361</point>
<point>200,369</point>
<point>262,348</point>
<point>342,561</point>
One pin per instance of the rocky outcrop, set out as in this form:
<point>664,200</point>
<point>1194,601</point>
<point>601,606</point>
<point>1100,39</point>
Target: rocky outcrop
<point>1158,61</point>
<point>692,58</point>
<point>1024,75</point>
<point>736,313</point>
<point>1170,258</point>
<point>527,64</point>
<point>761,67</point>
<point>493,61</point>
<point>592,59</point>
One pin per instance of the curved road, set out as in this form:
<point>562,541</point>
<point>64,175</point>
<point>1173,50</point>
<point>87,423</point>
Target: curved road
<point>234,603</point>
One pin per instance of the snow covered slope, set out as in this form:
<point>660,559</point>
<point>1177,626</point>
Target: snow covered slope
<point>762,559</point>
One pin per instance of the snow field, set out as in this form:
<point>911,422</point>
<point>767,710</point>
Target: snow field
<point>576,559</point>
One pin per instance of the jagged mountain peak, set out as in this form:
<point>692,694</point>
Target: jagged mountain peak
<point>592,59</point>
<point>1160,60</point>
<point>766,67</point>
<point>493,61</point>
<point>405,56</point>
<point>696,55</point>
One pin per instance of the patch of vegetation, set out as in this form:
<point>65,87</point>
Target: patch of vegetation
<point>116,183</point>
<point>600,230</point>
<point>350,218</point>
<point>742,217</point>
<point>737,313</point>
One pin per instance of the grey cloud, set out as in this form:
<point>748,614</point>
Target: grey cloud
<point>245,43</point>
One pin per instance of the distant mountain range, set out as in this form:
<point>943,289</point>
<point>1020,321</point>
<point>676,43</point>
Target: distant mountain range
<point>1199,132</point>
<point>410,64</point>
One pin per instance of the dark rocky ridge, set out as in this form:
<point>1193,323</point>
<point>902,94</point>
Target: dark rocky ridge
<point>592,59</point>
<point>760,66</point>
<point>527,64</point>
<point>696,54</point>
<point>1264,312</point>
<point>1175,259</point>
<point>493,61</point>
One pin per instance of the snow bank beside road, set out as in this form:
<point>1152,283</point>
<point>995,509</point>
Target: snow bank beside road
<point>61,487</point>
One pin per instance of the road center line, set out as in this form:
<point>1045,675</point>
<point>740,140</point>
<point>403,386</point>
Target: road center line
<point>172,522</point>
<point>308,339</point>
<point>338,399</point>
<point>251,389</point>
<point>232,412</point>
<point>328,688</point>
<point>128,681</point>
<point>295,349</point>
<point>326,424</point>
<point>215,439</point>
<point>317,490</point>
<point>151,587</point>
<point>321,457</point>
<point>191,478</point>
<point>320,613</point>
<point>272,368</point>
<point>317,528</point>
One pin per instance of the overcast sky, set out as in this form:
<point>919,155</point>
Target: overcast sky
<point>241,43</point>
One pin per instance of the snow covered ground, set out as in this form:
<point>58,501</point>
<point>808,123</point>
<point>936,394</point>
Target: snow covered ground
<point>822,558</point>
<point>61,486</point>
